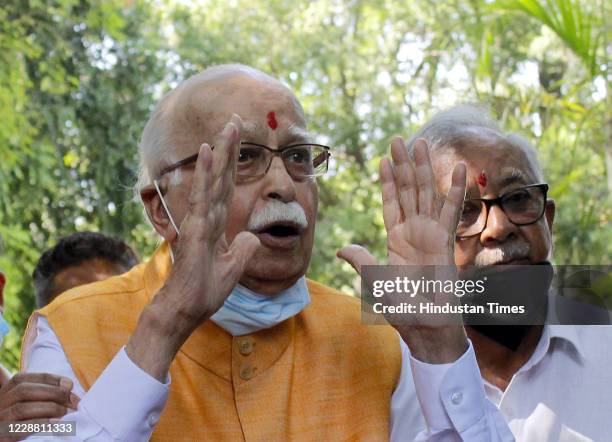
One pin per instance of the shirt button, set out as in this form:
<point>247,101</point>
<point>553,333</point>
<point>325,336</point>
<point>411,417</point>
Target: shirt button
<point>247,372</point>
<point>245,348</point>
<point>456,397</point>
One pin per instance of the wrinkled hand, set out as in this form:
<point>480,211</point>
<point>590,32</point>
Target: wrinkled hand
<point>34,398</point>
<point>420,232</point>
<point>206,267</point>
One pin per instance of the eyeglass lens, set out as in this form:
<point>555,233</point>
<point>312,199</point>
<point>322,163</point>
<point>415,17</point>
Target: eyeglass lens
<point>521,206</point>
<point>300,161</point>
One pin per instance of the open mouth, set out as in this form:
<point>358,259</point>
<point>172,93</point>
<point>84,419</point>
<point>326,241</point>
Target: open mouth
<point>281,230</point>
<point>280,235</point>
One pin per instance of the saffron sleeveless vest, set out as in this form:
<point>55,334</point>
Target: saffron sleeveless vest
<point>320,375</point>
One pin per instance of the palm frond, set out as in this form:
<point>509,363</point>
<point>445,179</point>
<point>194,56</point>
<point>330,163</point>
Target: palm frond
<point>567,19</point>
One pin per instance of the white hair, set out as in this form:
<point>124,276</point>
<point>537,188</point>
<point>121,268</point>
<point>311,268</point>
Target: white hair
<point>276,211</point>
<point>506,251</point>
<point>455,126</point>
<point>155,147</point>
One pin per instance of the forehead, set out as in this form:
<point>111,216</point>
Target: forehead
<point>90,270</point>
<point>202,111</point>
<point>502,161</point>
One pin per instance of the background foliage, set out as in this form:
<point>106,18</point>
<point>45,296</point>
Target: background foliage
<point>79,77</point>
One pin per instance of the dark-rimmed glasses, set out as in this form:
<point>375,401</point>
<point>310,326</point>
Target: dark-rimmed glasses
<point>304,160</point>
<point>522,206</point>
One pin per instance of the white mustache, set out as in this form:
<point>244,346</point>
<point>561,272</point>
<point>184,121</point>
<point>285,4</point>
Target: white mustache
<point>505,252</point>
<point>276,211</point>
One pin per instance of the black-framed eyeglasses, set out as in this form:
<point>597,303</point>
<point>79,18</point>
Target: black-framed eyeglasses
<point>304,160</point>
<point>522,206</point>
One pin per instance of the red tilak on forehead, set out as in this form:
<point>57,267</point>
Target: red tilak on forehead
<point>272,121</point>
<point>482,179</point>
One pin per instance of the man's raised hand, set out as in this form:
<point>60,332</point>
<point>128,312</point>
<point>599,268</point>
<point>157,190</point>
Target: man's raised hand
<point>420,232</point>
<point>206,267</point>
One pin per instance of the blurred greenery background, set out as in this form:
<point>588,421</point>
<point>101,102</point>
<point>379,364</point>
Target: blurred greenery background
<point>78,79</point>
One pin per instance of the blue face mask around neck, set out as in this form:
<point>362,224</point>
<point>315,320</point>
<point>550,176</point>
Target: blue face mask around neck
<point>245,311</point>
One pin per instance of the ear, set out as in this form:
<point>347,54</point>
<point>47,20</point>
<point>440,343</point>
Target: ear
<point>156,212</point>
<point>549,213</point>
<point>2,284</point>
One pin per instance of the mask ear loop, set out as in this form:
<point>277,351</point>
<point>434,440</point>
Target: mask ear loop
<point>165,207</point>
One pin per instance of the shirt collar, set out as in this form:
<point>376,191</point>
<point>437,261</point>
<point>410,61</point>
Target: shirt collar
<point>566,333</point>
<point>554,330</point>
<point>563,333</point>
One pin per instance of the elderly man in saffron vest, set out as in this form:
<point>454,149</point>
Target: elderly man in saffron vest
<point>219,336</point>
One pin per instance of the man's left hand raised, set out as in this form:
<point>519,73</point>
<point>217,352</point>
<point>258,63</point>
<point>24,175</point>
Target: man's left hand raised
<point>420,232</point>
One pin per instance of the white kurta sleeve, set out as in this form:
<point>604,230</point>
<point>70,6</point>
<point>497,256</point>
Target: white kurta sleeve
<point>452,401</point>
<point>124,403</point>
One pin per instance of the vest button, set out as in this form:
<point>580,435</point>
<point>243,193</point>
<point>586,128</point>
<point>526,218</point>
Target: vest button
<point>247,372</point>
<point>245,348</point>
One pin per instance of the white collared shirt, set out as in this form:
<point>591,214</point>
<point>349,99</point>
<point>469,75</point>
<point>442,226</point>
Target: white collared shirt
<point>562,393</point>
